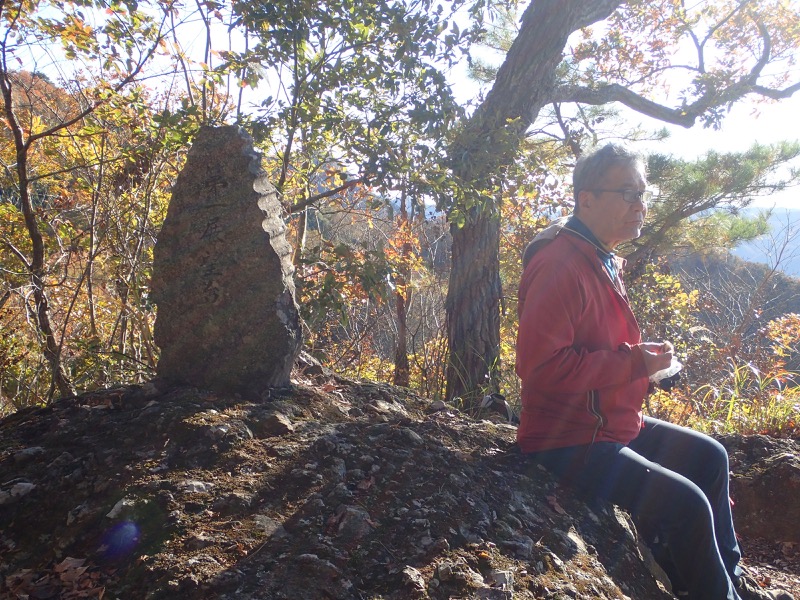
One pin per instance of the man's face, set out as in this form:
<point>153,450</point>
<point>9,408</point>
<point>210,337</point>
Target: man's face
<point>605,212</point>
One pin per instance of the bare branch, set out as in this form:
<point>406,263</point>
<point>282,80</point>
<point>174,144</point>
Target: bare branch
<point>18,254</point>
<point>766,53</point>
<point>569,138</point>
<point>614,92</point>
<point>719,25</point>
<point>685,116</point>
<point>776,94</point>
<point>78,167</point>
<point>97,103</point>
<point>332,192</point>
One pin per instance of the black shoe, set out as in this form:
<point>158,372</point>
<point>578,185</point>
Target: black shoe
<point>749,589</point>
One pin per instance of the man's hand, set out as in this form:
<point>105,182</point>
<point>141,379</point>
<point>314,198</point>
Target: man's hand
<point>657,355</point>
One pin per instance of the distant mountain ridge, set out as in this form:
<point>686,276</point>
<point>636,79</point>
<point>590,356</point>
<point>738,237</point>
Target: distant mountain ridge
<point>746,294</point>
<point>758,251</point>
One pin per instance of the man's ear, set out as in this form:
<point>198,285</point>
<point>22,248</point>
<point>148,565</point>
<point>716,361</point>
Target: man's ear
<point>585,199</point>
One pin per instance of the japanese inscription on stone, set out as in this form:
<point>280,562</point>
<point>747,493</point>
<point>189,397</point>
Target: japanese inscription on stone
<point>222,274</point>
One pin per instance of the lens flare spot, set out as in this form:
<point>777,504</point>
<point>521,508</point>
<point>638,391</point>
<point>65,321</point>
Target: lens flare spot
<point>120,540</point>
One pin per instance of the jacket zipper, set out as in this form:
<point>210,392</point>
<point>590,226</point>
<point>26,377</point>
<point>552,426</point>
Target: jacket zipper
<point>594,409</point>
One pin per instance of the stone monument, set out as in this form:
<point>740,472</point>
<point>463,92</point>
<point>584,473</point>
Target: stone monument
<point>222,274</point>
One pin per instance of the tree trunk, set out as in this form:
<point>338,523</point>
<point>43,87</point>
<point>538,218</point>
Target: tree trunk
<point>402,294</point>
<point>300,244</point>
<point>402,370</point>
<point>52,350</point>
<point>488,143</point>
<point>36,268</point>
<point>473,298</point>
<point>123,291</point>
<point>90,304</point>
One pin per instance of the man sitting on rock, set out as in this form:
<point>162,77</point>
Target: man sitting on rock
<point>585,372</point>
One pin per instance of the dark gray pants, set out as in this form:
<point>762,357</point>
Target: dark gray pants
<point>674,482</point>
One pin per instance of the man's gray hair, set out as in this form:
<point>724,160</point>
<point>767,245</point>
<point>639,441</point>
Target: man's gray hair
<point>595,163</point>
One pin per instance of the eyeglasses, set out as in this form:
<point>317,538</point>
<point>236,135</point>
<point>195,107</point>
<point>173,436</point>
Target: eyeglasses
<point>630,196</point>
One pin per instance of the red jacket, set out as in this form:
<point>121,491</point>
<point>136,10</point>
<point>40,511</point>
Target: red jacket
<point>583,373</point>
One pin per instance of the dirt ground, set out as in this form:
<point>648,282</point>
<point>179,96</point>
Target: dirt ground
<point>330,489</point>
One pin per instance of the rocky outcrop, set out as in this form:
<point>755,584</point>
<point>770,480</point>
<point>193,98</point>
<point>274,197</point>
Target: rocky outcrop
<point>765,487</point>
<point>330,489</point>
<point>351,492</point>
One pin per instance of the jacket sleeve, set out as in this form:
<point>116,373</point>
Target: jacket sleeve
<point>554,301</point>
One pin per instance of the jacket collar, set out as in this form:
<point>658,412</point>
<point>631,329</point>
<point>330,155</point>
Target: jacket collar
<point>575,225</point>
<point>609,263</point>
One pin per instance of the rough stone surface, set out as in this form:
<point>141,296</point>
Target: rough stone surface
<point>135,494</point>
<point>765,487</point>
<point>222,275</point>
<point>272,424</point>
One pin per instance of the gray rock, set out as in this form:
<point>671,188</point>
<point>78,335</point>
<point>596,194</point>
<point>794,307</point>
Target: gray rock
<point>123,507</point>
<point>78,513</point>
<point>22,488</point>
<point>196,487</point>
<point>445,571</point>
<point>521,545</point>
<point>355,475</point>
<point>27,454</point>
<point>766,476</point>
<point>354,523</point>
<point>504,579</point>
<point>203,559</point>
<point>311,367</point>
<point>314,577</point>
<point>337,469</point>
<point>414,583</point>
<point>232,432</point>
<point>269,526</point>
<point>340,493</point>
<point>222,274</point>
<point>469,577</point>
<point>232,504</point>
<point>493,594</point>
<point>15,490</point>
<point>271,425</point>
<point>200,541</point>
<point>65,458</point>
<point>468,534</point>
